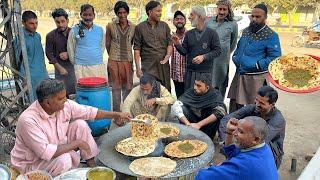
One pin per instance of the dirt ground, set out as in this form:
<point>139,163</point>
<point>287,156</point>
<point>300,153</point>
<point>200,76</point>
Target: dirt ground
<point>301,112</point>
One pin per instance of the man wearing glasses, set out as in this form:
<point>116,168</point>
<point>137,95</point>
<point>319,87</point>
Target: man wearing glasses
<point>257,47</point>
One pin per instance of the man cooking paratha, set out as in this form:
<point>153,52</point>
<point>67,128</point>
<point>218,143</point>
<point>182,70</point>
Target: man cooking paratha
<point>200,107</point>
<point>150,97</point>
<point>52,129</point>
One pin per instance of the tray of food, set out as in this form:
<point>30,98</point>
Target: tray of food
<point>295,73</point>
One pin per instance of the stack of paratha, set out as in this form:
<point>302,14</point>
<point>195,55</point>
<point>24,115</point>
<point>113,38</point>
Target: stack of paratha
<point>186,148</point>
<point>152,167</point>
<point>143,131</point>
<point>296,72</point>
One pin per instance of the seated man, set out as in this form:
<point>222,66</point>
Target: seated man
<point>150,97</point>
<point>52,129</point>
<point>264,107</point>
<point>250,158</point>
<point>200,107</point>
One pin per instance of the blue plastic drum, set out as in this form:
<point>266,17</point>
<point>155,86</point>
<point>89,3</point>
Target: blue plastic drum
<point>94,91</point>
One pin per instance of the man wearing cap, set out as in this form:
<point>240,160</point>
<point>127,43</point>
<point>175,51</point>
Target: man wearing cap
<point>257,47</point>
<point>178,61</point>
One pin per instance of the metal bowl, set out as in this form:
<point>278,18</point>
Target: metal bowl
<point>101,169</point>
<point>5,172</point>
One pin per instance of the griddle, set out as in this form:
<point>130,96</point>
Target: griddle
<point>119,162</point>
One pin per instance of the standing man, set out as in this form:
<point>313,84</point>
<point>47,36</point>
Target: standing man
<point>86,44</point>
<point>56,50</point>
<point>178,61</point>
<point>257,47</point>
<point>119,36</point>
<point>201,46</point>
<point>227,30</point>
<point>152,46</point>
<point>35,53</point>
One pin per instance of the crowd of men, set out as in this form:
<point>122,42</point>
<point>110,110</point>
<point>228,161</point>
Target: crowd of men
<point>52,130</point>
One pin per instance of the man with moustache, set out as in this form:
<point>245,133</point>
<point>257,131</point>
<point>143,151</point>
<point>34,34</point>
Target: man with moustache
<point>227,30</point>
<point>150,97</point>
<point>56,50</point>
<point>264,107</point>
<point>178,61</point>
<point>249,158</point>
<point>86,44</point>
<point>258,46</point>
<point>119,36</point>
<point>152,46</point>
<point>201,46</point>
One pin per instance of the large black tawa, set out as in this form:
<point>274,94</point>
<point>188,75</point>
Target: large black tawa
<point>119,162</point>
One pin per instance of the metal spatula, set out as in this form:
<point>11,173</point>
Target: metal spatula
<point>146,121</point>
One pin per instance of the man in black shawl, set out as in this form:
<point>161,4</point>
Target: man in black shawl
<point>200,107</point>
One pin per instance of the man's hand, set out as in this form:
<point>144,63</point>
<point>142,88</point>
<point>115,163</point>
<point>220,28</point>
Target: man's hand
<point>232,126</point>
<point>139,73</point>
<point>198,59</point>
<point>150,102</point>
<point>195,125</point>
<point>122,117</point>
<point>64,56</point>
<point>175,39</point>
<point>63,71</point>
<point>84,146</point>
<point>165,60</point>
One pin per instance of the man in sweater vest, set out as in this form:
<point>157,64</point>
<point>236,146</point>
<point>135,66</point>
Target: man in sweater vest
<point>119,35</point>
<point>86,44</point>
<point>250,159</point>
<point>201,45</point>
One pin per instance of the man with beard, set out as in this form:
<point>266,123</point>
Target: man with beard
<point>201,46</point>
<point>152,46</point>
<point>258,46</point>
<point>178,61</point>
<point>56,50</point>
<point>249,158</point>
<point>227,30</point>
<point>86,44</point>
<point>119,36</point>
<point>200,107</point>
<point>264,107</point>
<point>150,97</point>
